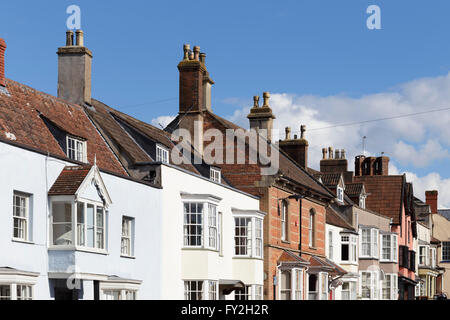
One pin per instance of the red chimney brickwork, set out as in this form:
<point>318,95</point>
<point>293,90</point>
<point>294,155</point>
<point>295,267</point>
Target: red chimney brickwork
<point>431,198</point>
<point>2,62</point>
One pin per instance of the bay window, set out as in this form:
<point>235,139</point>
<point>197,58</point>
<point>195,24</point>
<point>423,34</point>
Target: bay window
<point>348,291</point>
<point>388,248</point>
<point>389,287</point>
<point>201,223</point>
<point>348,248</point>
<point>16,291</point>
<point>291,284</point>
<point>243,294</point>
<point>370,285</point>
<point>201,290</point>
<point>248,237</point>
<point>243,238</point>
<point>369,243</point>
<point>87,218</point>
<point>423,255</point>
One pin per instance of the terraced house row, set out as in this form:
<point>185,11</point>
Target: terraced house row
<point>96,204</point>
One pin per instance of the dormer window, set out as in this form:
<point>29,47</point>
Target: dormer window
<point>362,202</point>
<point>162,154</point>
<point>340,194</point>
<point>215,174</point>
<point>76,149</point>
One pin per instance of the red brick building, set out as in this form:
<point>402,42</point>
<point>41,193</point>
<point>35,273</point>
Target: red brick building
<point>294,229</point>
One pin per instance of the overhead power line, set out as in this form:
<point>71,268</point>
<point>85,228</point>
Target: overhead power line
<point>348,124</point>
<point>148,103</point>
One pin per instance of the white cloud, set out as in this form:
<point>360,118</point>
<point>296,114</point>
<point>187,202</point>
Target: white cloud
<point>162,121</point>
<point>417,140</point>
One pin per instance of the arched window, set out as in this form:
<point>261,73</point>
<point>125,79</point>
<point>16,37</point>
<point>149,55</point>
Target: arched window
<point>284,221</point>
<point>312,227</point>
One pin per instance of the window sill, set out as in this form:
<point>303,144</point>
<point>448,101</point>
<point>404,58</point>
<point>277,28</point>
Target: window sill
<point>247,258</point>
<point>312,248</point>
<point>79,249</point>
<point>22,241</point>
<point>285,242</point>
<point>128,257</point>
<point>199,249</point>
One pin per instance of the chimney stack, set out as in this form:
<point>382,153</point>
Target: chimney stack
<point>261,118</point>
<point>371,166</point>
<point>297,149</point>
<point>2,62</point>
<point>338,164</point>
<point>74,70</point>
<point>431,198</point>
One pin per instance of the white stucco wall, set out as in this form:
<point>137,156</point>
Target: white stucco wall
<point>188,264</point>
<point>33,173</point>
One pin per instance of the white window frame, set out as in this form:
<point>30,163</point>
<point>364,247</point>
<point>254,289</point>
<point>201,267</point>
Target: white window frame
<point>393,241</point>
<point>351,240</point>
<point>188,291</point>
<point>127,239</point>
<point>243,295</point>
<point>251,237</point>
<point>340,194</point>
<point>311,228</point>
<point>362,202</point>
<point>424,258</point>
<point>392,280</point>
<point>433,257</point>
<point>215,174</point>
<point>74,224</point>
<point>24,216</point>
<point>284,221</point>
<point>125,290</point>
<point>259,292</point>
<point>162,154</point>
<point>187,235</point>
<point>372,241</point>
<point>79,149</point>
<point>330,244</point>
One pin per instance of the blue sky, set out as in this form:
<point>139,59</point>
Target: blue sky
<point>318,53</point>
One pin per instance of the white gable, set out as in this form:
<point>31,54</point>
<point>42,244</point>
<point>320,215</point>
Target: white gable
<point>93,188</point>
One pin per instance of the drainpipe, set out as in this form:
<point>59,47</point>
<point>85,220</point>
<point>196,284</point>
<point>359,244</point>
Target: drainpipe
<point>275,284</point>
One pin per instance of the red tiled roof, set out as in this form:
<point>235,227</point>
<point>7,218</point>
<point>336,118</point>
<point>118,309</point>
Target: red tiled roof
<point>288,256</point>
<point>21,116</point>
<point>385,194</point>
<point>324,264</point>
<point>69,180</point>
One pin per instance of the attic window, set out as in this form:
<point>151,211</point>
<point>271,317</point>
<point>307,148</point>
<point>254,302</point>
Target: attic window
<point>362,202</point>
<point>215,174</point>
<point>76,149</point>
<point>162,154</point>
<point>340,194</point>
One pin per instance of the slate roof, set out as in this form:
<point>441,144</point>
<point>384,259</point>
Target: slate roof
<point>288,167</point>
<point>445,213</point>
<point>23,116</point>
<point>386,194</point>
<point>112,123</point>
<point>335,219</point>
<point>69,180</point>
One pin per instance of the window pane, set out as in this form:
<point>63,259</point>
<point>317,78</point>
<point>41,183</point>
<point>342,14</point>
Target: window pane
<point>90,222</point>
<point>5,292</point>
<point>62,223</point>
<point>80,224</point>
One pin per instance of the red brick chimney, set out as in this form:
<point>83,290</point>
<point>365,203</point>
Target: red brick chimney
<point>2,62</point>
<point>371,166</point>
<point>297,149</point>
<point>431,198</point>
<point>195,94</point>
